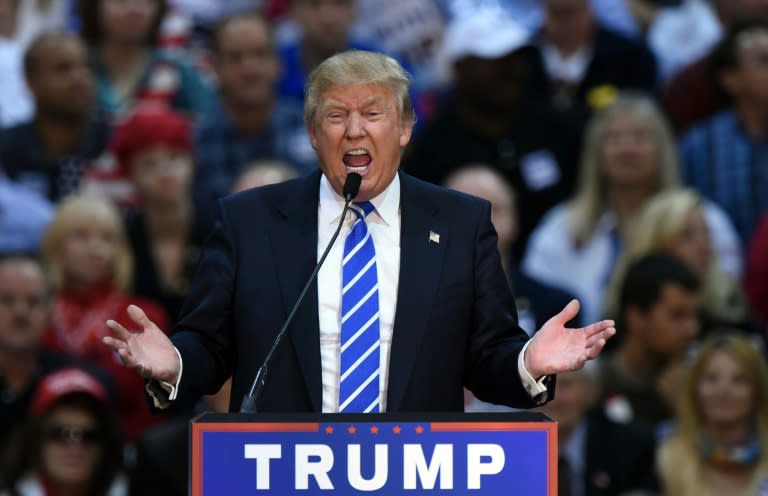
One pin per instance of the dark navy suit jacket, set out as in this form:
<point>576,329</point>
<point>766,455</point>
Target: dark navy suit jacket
<point>455,321</point>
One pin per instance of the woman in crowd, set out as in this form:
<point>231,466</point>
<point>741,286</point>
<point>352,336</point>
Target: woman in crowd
<point>629,155</point>
<point>153,149</point>
<point>719,444</point>
<point>70,444</point>
<point>129,66</point>
<point>675,221</point>
<point>91,268</point>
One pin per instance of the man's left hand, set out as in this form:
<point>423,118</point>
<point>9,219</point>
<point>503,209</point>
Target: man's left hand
<point>556,348</point>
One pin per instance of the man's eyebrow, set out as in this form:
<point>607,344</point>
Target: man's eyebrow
<point>332,104</point>
<point>374,100</point>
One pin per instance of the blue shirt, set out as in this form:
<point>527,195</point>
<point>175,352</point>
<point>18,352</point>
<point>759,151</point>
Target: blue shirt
<point>729,167</point>
<point>23,218</point>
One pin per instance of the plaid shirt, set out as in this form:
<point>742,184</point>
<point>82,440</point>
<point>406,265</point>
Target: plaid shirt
<point>729,167</point>
<point>222,150</point>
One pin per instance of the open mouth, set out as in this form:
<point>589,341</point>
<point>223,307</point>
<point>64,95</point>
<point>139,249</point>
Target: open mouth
<point>357,160</point>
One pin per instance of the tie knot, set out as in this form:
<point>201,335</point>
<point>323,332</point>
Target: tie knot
<point>366,207</point>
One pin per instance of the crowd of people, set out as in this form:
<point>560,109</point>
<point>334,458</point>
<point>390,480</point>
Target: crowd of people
<point>622,145</point>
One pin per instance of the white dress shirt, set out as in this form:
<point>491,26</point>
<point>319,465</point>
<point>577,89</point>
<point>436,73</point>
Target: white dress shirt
<point>384,226</point>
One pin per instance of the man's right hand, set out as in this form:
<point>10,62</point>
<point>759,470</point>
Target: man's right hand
<point>149,352</point>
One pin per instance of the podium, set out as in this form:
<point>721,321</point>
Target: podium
<point>390,454</point>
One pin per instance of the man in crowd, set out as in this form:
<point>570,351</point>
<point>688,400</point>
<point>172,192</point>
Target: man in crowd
<point>24,312</point>
<point>594,458</point>
<point>488,119</point>
<point>725,157</point>
<point>50,153</point>
<point>578,65</point>
<point>249,122</point>
<point>695,93</point>
<point>658,318</point>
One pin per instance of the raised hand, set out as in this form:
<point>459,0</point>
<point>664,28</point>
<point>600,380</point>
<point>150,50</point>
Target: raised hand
<point>149,352</point>
<point>556,348</point>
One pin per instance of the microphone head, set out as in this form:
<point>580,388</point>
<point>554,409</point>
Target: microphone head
<point>352,185</point>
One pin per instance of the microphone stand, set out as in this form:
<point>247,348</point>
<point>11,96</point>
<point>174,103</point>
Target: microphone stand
<point>251,401</point>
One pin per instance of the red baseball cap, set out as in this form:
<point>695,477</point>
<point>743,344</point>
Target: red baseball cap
<point>65,382</point>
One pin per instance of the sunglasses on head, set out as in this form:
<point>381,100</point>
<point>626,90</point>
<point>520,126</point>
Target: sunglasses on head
<point>72,434</point>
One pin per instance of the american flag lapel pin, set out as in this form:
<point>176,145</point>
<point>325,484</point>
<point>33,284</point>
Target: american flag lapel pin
<point>434,237</point>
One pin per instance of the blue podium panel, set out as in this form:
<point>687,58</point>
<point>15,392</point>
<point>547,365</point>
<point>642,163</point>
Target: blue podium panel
<point>378,454</point>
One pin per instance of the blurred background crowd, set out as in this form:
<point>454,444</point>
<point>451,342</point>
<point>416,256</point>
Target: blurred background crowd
<point>623,145</point>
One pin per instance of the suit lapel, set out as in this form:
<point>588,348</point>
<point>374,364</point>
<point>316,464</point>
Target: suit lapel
<point>295,251</point>
<point>421,259</point>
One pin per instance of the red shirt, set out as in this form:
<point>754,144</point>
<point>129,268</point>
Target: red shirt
<point>78,322</point>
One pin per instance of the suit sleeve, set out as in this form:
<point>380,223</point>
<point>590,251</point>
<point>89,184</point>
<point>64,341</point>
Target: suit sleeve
<point>204,333</point>
<point>495,340</point>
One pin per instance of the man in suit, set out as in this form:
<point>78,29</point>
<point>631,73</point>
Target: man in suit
<point>438,302</point>
<point>594,458</point>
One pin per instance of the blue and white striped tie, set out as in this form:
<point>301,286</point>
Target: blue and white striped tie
<point>359,387</point>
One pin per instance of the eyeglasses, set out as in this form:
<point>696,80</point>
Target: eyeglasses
<point>71,434</point>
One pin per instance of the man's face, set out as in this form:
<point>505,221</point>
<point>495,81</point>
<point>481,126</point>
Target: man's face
<point>749,80</point>
<point>568,23</point>
<point>23,306</point>
<point>246,64</point>
<point>325,23</point>
<point>506,75</point>
<point>575,394</point>
<point>61,79</point>
<point>359,129</point>
<point>485,184</point>
<point>669,326</point>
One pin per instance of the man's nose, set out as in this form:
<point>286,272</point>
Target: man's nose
<point>355,126</point>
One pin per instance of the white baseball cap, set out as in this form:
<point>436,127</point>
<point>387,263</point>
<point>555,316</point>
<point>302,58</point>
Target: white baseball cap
<point>487,33</point>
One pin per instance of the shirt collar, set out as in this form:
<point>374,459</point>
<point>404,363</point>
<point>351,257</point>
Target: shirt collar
<point>387,203</point>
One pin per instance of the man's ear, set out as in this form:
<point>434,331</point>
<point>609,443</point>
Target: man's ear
<point>406,130</point>
<point>312,132</point>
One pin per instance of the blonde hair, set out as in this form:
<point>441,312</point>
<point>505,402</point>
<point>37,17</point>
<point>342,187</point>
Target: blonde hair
<point>358,67</point>
<point>657,227</point>
<point>81,209</point>
<point>589,202</point>
<point>679,463</point>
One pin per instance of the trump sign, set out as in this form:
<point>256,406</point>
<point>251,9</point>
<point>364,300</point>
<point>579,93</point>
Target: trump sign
<point>378,454</point>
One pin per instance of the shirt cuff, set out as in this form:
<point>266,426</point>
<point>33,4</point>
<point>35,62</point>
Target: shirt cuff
<point>163,393</point>
<point>537,389</point>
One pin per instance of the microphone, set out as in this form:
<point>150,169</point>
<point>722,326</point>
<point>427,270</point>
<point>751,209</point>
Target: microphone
<point>251,401</point>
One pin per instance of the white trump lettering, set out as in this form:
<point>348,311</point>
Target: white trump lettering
<point>414,462</point>
<point>262,453</point>
<point>475,465</point>
<point>381,468</point>
<point>318,469</point>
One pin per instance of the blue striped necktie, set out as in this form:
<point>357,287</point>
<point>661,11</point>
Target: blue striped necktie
<point>359,386</point>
